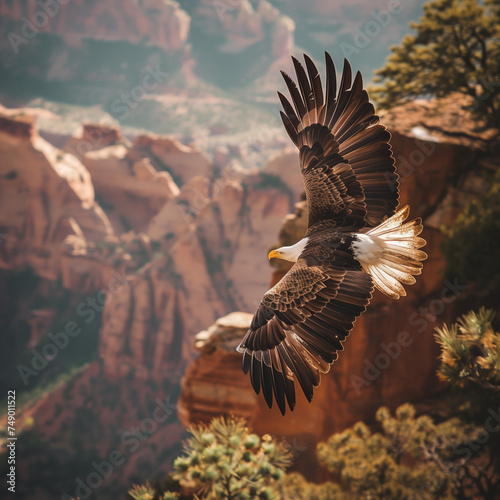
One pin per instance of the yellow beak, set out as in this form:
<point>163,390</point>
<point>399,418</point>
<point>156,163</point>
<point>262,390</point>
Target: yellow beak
<point>274,254</point>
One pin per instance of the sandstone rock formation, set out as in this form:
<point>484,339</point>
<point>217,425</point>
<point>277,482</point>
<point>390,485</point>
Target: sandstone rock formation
<point>225,334</point>
<point>244,25</point>
<point>178,215</point>
<point>187,271</point>
<point>200,253</point>
<point>132,193</point>
<point>147,327</point>
<point>160,23</point>
<point>198,261</point>
<point>94,137</point>
<point>214,238</point>
<point>183,162</point>
<point>444,120</point>
<point>285,165</point>
<point>235,229</point>
<point>214,382</point>
<point>135,181</point>
<point>46,196</point>
<point>171,281</point>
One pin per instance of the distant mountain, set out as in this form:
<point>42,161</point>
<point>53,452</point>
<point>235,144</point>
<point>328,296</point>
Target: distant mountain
<point>361,31</point>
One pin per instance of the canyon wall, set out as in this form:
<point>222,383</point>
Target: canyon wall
<point>160,23</point>
<point>189,242</point>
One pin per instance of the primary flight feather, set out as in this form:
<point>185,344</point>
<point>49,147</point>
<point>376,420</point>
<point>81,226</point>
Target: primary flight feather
<point>356,240</point>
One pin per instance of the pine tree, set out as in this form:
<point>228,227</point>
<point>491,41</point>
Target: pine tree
<point>390,464</point>
<point>471,352</point>
<point>224,460</point>
<point>470,363</point>
<point>456,48</point>
<point>297,488</point>
<point>404,456</point>
<point>147,492</point>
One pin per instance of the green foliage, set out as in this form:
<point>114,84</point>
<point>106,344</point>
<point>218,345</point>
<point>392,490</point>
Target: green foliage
<point>470,362</point>
<point>376,465</point>
<point>297,488</point>
<point>470,351</point>
<point>456,47</point>
<point>147,492</point>
<point>42,390</point>
<point>471,246</point>
<point>144,492</point>
<point>410,457</point>
<point>224,460</point>
<point>404,456</point>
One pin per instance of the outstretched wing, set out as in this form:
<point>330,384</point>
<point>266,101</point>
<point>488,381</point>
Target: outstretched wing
<point>299,326</point>
<point>346,159</point>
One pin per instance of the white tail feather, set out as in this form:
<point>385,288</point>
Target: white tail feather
<point>390,253</point>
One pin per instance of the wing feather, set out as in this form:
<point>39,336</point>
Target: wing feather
<point>317,89</point>
<point>305,89</point>
<point>339,131</point>
<point>299,327</point>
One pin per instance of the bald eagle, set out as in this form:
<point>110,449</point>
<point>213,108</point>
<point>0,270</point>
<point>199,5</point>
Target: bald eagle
<point>356,240</point>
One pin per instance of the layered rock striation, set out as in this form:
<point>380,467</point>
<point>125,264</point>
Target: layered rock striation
<point>45,197</point>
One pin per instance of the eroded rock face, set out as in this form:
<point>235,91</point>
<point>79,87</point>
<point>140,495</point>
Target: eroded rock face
<point>213,243</point>
<point>92,52</point>
<point>178,215</point>
<point>161,23</point>
<point>94,137</point>
<point>285,165</point>
<point>203,254</point>
<point>46,196</point>
<point>96,415</point>
<point>183,162</point>
<point>444,121</point>
<point>194,262</point>
<point>131,192</point>
<point>147,327</point>
<point>235,229</point>
<point>135,182</point>
<point>225,334</point>
<point>214,383</point>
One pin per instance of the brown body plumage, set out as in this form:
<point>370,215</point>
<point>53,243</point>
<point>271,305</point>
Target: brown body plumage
<point>354,242</point>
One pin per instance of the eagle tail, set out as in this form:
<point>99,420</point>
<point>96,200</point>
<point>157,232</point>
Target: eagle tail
<point>390,253</point>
